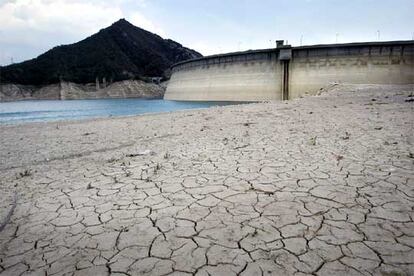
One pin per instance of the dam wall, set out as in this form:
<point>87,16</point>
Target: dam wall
<point>313,68</point>
<point>289,72</point>
<point>247,77</point>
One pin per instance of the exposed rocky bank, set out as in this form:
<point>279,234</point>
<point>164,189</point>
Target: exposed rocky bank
<point>73,91</point>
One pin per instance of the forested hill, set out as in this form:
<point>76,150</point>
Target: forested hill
<point>121,51</point>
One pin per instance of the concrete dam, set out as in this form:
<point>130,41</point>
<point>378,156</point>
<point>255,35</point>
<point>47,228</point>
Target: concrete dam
<point>287,72</point>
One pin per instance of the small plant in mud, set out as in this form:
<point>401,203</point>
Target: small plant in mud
<point>338,158</point>
<point>346,136</point>
<point>312,141</point>
<point>157,168</point>
<point>166,155</point>
<point>25,173</point>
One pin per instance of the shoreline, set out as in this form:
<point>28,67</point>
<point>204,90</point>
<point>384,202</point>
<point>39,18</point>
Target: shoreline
<point>106,117</point>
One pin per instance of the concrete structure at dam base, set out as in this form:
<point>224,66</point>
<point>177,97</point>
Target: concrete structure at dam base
<point>287,72</point>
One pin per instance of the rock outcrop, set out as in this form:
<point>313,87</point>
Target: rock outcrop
<point>73,91</point>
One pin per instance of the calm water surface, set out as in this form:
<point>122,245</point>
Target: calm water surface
<point>50,110</point>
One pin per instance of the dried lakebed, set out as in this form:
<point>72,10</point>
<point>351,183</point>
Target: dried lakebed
<point>316,186</point>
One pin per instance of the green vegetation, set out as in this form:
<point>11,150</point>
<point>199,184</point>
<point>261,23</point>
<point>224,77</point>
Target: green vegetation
<point>121,51</point>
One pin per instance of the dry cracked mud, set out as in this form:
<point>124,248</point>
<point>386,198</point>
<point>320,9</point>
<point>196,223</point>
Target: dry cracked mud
<point>315,186</point>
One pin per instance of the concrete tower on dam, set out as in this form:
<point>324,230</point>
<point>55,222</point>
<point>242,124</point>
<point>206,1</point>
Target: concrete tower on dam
<point>287,72</point>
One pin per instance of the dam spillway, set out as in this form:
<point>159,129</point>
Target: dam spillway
<point>289,72</point>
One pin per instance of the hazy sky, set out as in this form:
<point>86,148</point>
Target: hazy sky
<point>30,27</point>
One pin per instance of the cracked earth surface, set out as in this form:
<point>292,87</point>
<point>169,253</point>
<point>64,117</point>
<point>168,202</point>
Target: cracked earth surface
<point>316,186</point>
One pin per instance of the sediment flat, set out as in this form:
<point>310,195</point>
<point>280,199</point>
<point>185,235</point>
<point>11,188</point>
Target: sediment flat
<point>321,185</point>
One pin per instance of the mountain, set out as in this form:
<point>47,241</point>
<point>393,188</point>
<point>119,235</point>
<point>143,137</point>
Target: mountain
<point>119,52</point>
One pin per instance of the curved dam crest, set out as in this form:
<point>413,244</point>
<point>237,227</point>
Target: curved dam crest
<point>289,72</point>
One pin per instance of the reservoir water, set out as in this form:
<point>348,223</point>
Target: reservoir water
<point>54,110</point>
